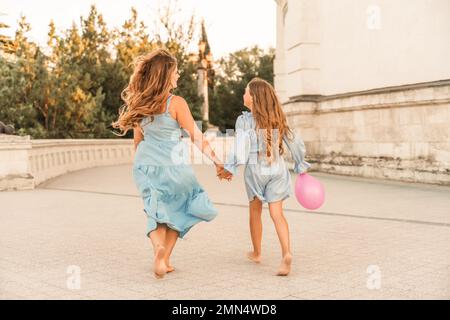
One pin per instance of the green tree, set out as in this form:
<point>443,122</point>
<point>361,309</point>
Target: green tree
<point>75,100</point>
<point>71,89</point>
<point>235,71</point>
<point>6,43</point>
<point>180,36</point>
<point>22,79</point>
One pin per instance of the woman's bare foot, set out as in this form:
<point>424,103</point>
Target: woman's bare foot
<point>160,267</point>
<point>285,266</point>
<point>170,268</point>
<point>254,257</point>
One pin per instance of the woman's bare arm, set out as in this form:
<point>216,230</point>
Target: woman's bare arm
<point>187,122</point>
<point>137,136</point>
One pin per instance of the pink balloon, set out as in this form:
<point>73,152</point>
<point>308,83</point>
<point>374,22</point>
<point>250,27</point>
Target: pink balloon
<point>309,191</point>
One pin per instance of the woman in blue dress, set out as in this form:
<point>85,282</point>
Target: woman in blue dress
<point>259,139</point>
<point>174,201</point>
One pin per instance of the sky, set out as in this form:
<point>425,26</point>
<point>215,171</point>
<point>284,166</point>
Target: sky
<point>230,24</point>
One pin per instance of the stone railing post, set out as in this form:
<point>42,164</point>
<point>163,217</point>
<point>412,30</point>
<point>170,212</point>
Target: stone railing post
<point>14,166</point>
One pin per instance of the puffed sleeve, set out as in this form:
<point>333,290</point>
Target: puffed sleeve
<point>297,148</point>
<point>238,155</point>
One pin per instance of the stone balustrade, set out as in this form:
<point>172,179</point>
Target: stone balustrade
<point>25,163</point>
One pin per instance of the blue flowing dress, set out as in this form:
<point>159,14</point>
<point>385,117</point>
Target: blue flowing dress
<point>165,180</point>
<point>269,182</point>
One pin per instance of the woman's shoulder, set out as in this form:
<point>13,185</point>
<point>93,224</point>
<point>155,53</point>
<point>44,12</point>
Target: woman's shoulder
<point>178,102</point>
<point>178,99</point>
<point>178,105</point>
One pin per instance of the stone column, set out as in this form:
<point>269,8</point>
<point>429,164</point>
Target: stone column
<point>279,62</point>
<point>14,165</point>
<point>202,85</point>
<point>298,48</point>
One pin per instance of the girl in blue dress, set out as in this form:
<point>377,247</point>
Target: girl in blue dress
<point>173,199</point>
<point>259,141</point>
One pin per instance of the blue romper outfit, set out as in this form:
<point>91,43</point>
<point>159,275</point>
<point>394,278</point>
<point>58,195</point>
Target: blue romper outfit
<point>165,180</point>
<point>267,182</point>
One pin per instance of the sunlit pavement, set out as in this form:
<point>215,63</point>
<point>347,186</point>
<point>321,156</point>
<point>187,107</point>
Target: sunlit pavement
<point>82,236</point>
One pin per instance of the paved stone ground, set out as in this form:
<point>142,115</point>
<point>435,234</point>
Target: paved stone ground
<point>370,240</point>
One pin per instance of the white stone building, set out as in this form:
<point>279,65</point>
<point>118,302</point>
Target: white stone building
<point>367,85</point>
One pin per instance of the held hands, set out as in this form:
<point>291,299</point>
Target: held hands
<point>222,173</point>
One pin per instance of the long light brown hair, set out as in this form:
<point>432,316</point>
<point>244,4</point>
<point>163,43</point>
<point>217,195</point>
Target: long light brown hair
<point>147,90</point>
<point>268,115</point>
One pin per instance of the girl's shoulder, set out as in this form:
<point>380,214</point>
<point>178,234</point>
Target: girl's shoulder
<point>245,121</point>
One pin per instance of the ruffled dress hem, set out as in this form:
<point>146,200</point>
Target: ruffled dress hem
<point>197,206</point>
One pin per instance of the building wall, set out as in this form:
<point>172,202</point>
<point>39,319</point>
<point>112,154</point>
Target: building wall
<point>368,44</point>
<point>327,47</point>
<point>402,135</point>
<point>366,84</point>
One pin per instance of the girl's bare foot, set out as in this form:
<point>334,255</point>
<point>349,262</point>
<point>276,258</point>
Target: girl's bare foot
<point>285,266</point>
<point>254,257</point>
<point>160,267</point>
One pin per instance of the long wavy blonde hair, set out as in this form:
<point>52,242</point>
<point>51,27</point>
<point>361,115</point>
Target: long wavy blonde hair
<point>268,115</point>
<point>147,90</point>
